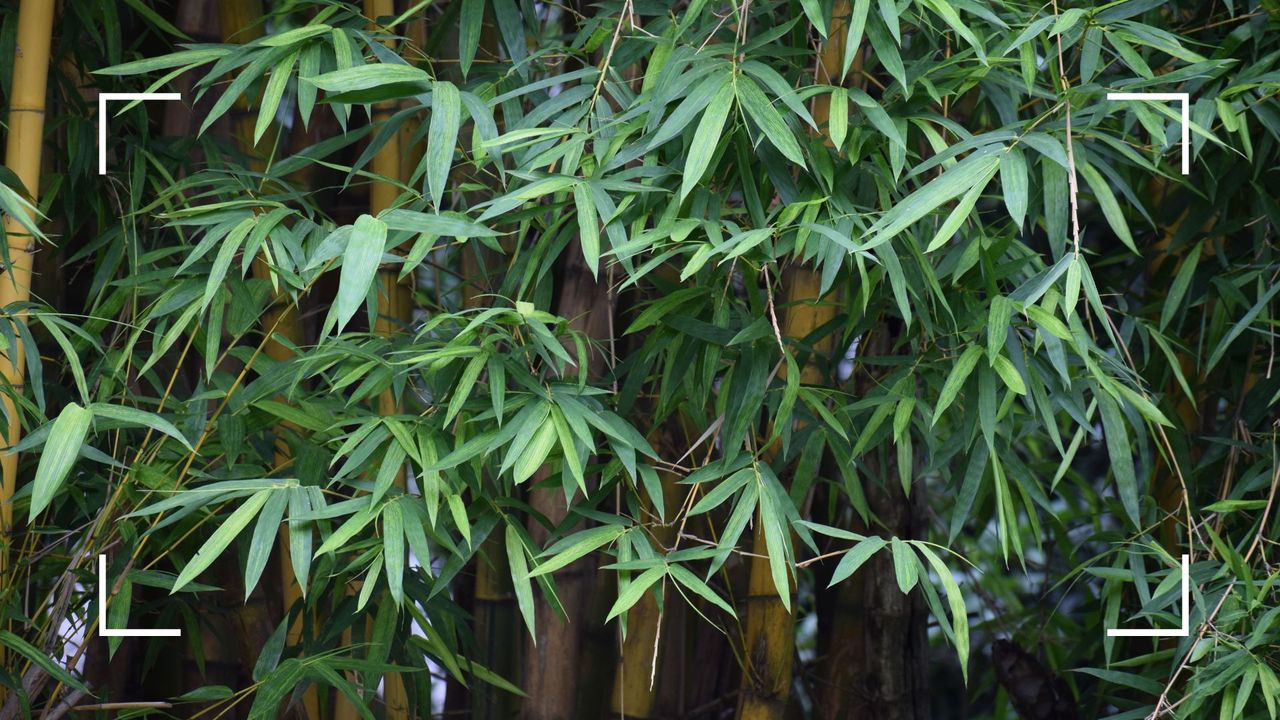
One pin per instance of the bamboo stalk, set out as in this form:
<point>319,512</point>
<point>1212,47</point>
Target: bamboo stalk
<point>22,156</point>
<point>635,688</point>
<point>770,633</point>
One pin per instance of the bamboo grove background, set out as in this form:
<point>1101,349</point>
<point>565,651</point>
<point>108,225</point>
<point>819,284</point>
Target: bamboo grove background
<point>756,359</point>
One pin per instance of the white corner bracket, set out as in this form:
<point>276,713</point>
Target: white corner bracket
<point>1183,631</point>
<point>102,118</point>
<point>1185,100</point>
<point>105,631</point>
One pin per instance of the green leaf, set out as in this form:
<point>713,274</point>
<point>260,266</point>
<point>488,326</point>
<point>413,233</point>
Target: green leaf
<point>853,40</point>
<point>694,583</point>
<point>813,11</point>
<point>447,225</point>
<point>958,215</point>
<point>1107,201</point>
<point>182,58</point>
<point>1241,325</point>
<point>264,539</point>
<point>360,261</point>
<point>295,36</point>
<point>364,77</point>
<point>1047,321</point>
<point>897,281</point>
<point>856,557</point>
<point>1014,183</point>
<point>273,94</point>
<point>60,452</point>
<point>470,20</point>
<point>30,652</point>
<point>577,546</point>
<point>134,416</point>
<point>962,177</point>
<point>521,583</point>
<point>959,612</point>
<point>393,550</point>
<point>221,538</point>
<point>588,227</point>
<point>906,566</point>
<point>535,453</point>
<point>885,49</point>
<point>1178,290</point>
<point>889,16</point>
<point>466,381</point>
<point>1113,427</point>
<point>222,261</point>
<point>442,138</point>
<point>705,138</point>
<point>838,118</point>
<point>630,595</point>
<point>955,380</point>
<point>1009,374</point>
<point>768,119</point>
<point>997,326</point>
<point>777,538</point>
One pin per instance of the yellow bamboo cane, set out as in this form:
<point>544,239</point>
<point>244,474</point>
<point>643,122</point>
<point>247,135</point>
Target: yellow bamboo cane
<point>770,635</point>
<point>22,156</point>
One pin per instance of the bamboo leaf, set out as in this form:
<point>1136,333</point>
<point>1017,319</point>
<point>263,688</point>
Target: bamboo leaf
<point>962,177</point>
<point>905,565</point>
<point>1013,180</point>
<point>838,121</point>
<point>1240,326</point>
<point>446,119</point>
<point>955,380</point>
<point>1181,282</point>
<point>520,578</point>
<point>692,582</point>
<point>1107,201</point>
<point>393,550</point>
<point>134,416</point>
<point>588,227</point>
<point>273,94</point>
<point>60,452</point>
<point>221,538</point>
<point>360,262</point>
<point>365,77</point>
<point>576,546</point>
<point>263,540</point>
<point>471,18</point>
<point>1113,427</point>
<point>959,612</point>
<point>856,557</point>
<point>630,594</point>
<point>768,119</point>
<point>706,137</point>
<point>32,653</point>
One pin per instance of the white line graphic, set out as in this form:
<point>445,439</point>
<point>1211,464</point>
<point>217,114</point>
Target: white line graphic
<point>102,118</point>
<point>105,631</point>
<point>1183,631</point>
<point>1183,98</point>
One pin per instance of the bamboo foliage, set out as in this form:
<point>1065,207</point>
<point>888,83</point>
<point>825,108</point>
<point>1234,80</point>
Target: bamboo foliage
<point>729,322</point>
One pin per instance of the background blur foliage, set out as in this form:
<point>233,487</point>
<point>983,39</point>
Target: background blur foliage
<point>397,340</point>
